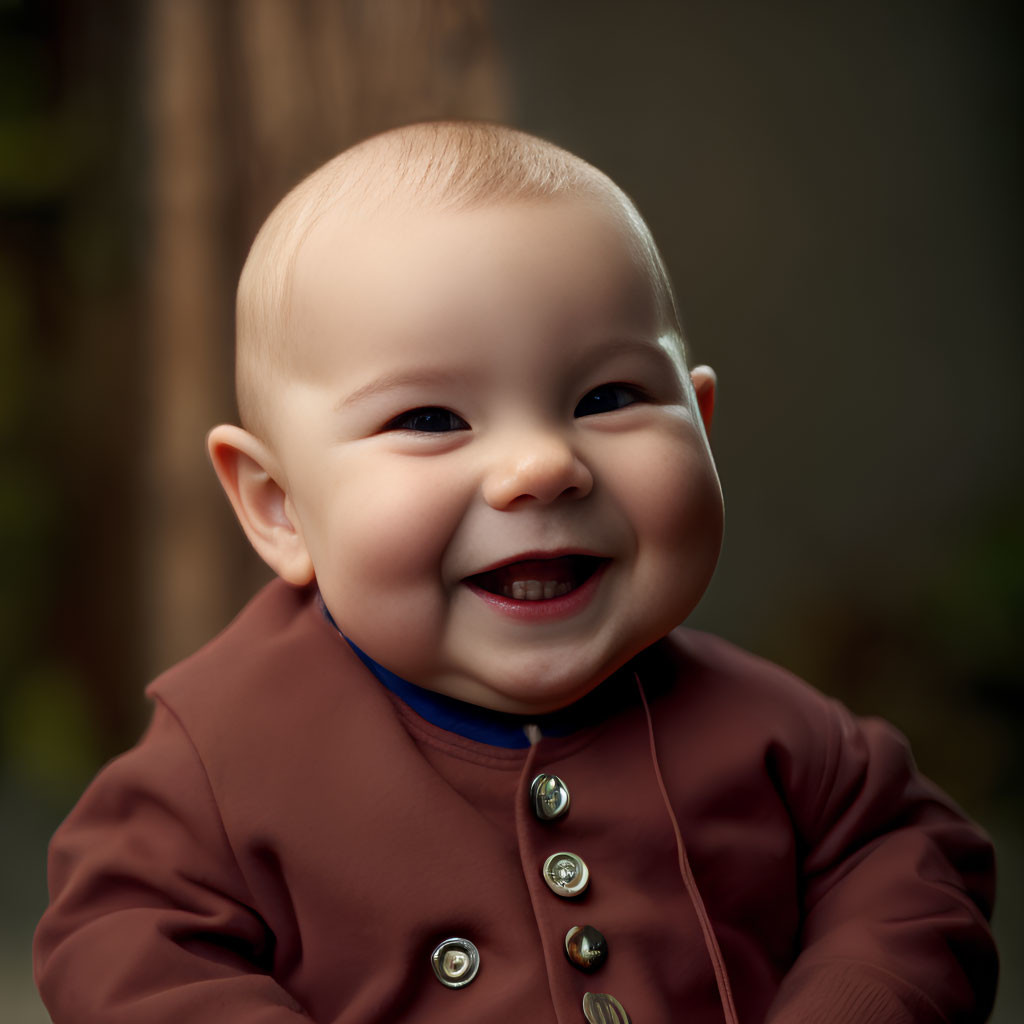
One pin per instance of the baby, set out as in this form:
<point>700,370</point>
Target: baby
<point>458,764</point>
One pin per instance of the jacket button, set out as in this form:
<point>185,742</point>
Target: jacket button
<point>601,1008</point>
<point>585,947</point>
<point>455,962</point>
<point>549,796</point>
<point>566,874</point>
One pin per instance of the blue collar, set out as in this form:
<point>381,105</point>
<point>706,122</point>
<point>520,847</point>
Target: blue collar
<point>496,728</point>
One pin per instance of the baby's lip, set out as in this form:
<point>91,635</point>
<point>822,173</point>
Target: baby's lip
<point>533,574</point>
<point>537,555</point>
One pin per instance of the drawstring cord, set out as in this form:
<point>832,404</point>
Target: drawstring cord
<point>690,884</point>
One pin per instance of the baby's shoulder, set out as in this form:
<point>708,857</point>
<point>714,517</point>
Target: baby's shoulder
<point>738,713</point>
<point>720,670</point>
<point>731,691</point>
<point>276,661</point>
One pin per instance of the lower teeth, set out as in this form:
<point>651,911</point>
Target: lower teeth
<point>535,590</point>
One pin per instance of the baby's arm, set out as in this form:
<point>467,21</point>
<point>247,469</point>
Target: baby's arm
<point>898,887</point>
<point>149,919</point>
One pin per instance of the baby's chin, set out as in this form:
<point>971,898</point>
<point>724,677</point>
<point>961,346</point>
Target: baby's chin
<point>534,688</point>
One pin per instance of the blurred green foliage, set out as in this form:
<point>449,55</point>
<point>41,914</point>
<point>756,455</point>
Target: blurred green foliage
<point>49,733</point>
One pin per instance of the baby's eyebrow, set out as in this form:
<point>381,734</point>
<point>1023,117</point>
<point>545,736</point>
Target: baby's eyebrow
<point>393,382</point>
<point>664,353</point>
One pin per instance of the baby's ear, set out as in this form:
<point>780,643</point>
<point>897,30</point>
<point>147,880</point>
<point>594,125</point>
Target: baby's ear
<point>704,381</point>
<point>248,472</point>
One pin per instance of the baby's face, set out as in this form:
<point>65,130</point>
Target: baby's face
<point>491,451</point>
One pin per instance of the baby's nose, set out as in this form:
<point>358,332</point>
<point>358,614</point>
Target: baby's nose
<point>538,468</point>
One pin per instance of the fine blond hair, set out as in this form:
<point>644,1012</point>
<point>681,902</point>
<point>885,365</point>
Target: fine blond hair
<point>443,164</point>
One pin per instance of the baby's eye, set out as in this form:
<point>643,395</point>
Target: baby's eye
<point>607,398</point>
<point>429,420</point>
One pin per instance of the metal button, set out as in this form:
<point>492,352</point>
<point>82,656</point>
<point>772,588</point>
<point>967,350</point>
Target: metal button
<point>601,1008</point>
<point>455,962</point>
<point>566,874</point>
<point>585,947</point>
<point>549,796</point>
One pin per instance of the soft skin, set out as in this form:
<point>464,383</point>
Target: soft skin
<point>472,388</point>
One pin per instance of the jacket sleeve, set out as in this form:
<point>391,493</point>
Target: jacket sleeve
<point>897,890</point>
<point>149,920</point>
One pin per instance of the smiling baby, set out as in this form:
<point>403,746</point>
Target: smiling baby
<point>459,763</point>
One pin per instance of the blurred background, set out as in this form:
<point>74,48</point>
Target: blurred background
<point>836,190</point>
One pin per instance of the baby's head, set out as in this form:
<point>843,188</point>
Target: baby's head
<point>467,415</point>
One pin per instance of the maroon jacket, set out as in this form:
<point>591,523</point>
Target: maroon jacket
<point>291,842</point>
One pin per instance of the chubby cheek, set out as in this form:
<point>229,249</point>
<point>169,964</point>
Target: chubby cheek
<point>378,558</point>
<point>674,504</point>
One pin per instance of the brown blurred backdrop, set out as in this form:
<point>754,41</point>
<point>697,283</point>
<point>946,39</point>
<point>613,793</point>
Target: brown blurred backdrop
<point>836,191</point>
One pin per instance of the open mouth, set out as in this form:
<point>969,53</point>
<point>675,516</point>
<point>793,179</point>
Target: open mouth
<point>538,579</point>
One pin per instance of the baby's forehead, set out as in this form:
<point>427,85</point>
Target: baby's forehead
<point>368,263</point>
<point>381,230</point>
